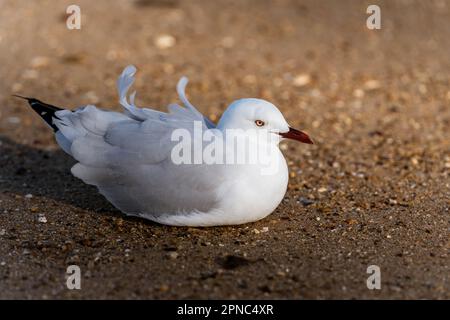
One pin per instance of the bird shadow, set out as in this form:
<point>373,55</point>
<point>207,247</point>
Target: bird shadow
<point>46,173</point>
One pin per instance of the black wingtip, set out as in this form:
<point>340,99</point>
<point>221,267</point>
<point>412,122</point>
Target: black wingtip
<point>22,97</point>
<point>29,99</point>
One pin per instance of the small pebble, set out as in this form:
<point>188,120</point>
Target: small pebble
<point>372,84</point>
<point>39,62</point>
<point>165,41</point>
<point>92,97</point>
<point>302,80</point>
<point>423,89</point>
<point>16,87</point>
<point>392,201</point>
<point>14,120</point>
<point>42,218</point>
<point>249,79</point>
<point>305,201</point>
<point>358,93</point>
<point>164,288</point>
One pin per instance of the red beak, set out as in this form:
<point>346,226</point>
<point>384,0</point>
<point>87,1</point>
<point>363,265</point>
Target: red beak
<point>298,135</point>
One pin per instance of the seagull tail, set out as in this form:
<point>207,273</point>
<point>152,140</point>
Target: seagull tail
<point>44,110</point>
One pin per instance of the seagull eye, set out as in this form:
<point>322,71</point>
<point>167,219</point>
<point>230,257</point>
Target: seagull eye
<point>259,123</point>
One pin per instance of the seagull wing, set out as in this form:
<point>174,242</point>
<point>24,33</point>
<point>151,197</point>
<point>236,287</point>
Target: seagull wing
<point>176,112</point>
<point>128,156</point>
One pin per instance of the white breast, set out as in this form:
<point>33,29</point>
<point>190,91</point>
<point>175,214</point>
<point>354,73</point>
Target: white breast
<point>256,195</point>
<point>246,196</point>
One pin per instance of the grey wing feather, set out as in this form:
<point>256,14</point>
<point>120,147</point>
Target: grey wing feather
<point>127,155</point>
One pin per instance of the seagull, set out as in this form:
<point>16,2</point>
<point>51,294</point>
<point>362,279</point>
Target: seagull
<point>128,156</point>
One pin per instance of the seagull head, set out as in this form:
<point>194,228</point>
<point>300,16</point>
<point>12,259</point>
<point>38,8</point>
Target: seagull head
<point>258,114</point>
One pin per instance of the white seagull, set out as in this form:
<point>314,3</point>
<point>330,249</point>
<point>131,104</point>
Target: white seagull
<point>127,156</point>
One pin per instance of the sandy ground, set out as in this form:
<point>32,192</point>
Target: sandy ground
<point>373,190</point>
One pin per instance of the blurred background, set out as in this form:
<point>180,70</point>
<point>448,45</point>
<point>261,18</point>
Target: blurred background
<point>373,190</point>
